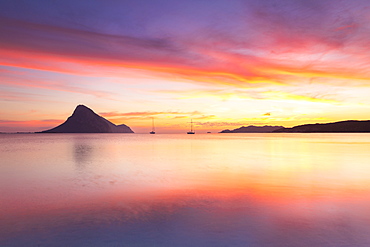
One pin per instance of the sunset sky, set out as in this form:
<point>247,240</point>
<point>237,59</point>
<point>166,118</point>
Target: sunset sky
<point>222,63</point>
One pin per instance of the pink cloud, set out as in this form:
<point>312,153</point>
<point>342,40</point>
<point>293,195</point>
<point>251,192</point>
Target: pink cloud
<point>30,125</point>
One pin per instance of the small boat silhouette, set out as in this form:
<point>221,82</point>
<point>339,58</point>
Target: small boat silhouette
<point>153,130</point>
<point>191,132</point>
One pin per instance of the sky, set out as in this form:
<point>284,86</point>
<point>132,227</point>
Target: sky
<point>222,64</point>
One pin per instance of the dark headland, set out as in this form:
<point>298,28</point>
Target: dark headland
<point>85,120</point>
<point>350,126</point>
<point>253,129</point>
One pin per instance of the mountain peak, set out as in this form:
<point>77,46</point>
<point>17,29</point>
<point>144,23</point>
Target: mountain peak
<point>81,109</point>
<point>85,120</point>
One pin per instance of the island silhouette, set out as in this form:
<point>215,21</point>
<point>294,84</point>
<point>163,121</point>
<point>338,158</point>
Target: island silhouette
<point>85,120</point>
<point>253,129</point>
<point>349,126</point>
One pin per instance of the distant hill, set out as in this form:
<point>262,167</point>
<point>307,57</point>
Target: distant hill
<point>85,120</point>
<point>253,129</point>
<point>343,126</point>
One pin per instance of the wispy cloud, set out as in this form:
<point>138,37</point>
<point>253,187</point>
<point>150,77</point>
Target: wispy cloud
<point>29,79</point>
<point>235,60</point>
<point>147,114</point>
<point>256,94</point>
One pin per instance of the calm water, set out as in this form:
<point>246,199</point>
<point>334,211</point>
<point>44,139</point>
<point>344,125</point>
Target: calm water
<point>185,190</point>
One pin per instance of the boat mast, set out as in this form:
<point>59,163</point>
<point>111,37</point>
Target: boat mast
<point>153,124</point>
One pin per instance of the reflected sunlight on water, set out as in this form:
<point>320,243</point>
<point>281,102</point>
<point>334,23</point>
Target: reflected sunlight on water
<point>180,190</point>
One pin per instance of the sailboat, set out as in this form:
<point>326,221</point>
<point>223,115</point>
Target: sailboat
<point>191,128</point>
<point>152,132</point>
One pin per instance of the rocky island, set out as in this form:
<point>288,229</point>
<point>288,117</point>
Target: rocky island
<point>253,129</point>
<point>350,126</point>
<point>85,120</point>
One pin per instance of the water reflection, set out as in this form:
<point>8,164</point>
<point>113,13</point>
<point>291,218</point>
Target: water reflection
<point>216,190</point>
<point>82,153</point>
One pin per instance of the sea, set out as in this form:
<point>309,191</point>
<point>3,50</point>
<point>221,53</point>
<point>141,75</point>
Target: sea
<point>246,189</point>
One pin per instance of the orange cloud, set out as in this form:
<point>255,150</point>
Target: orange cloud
<point>277,95</point>
<point>216,66</point>
<point>225,67</point>
<point>249,94</point>
<point>147,114</point>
